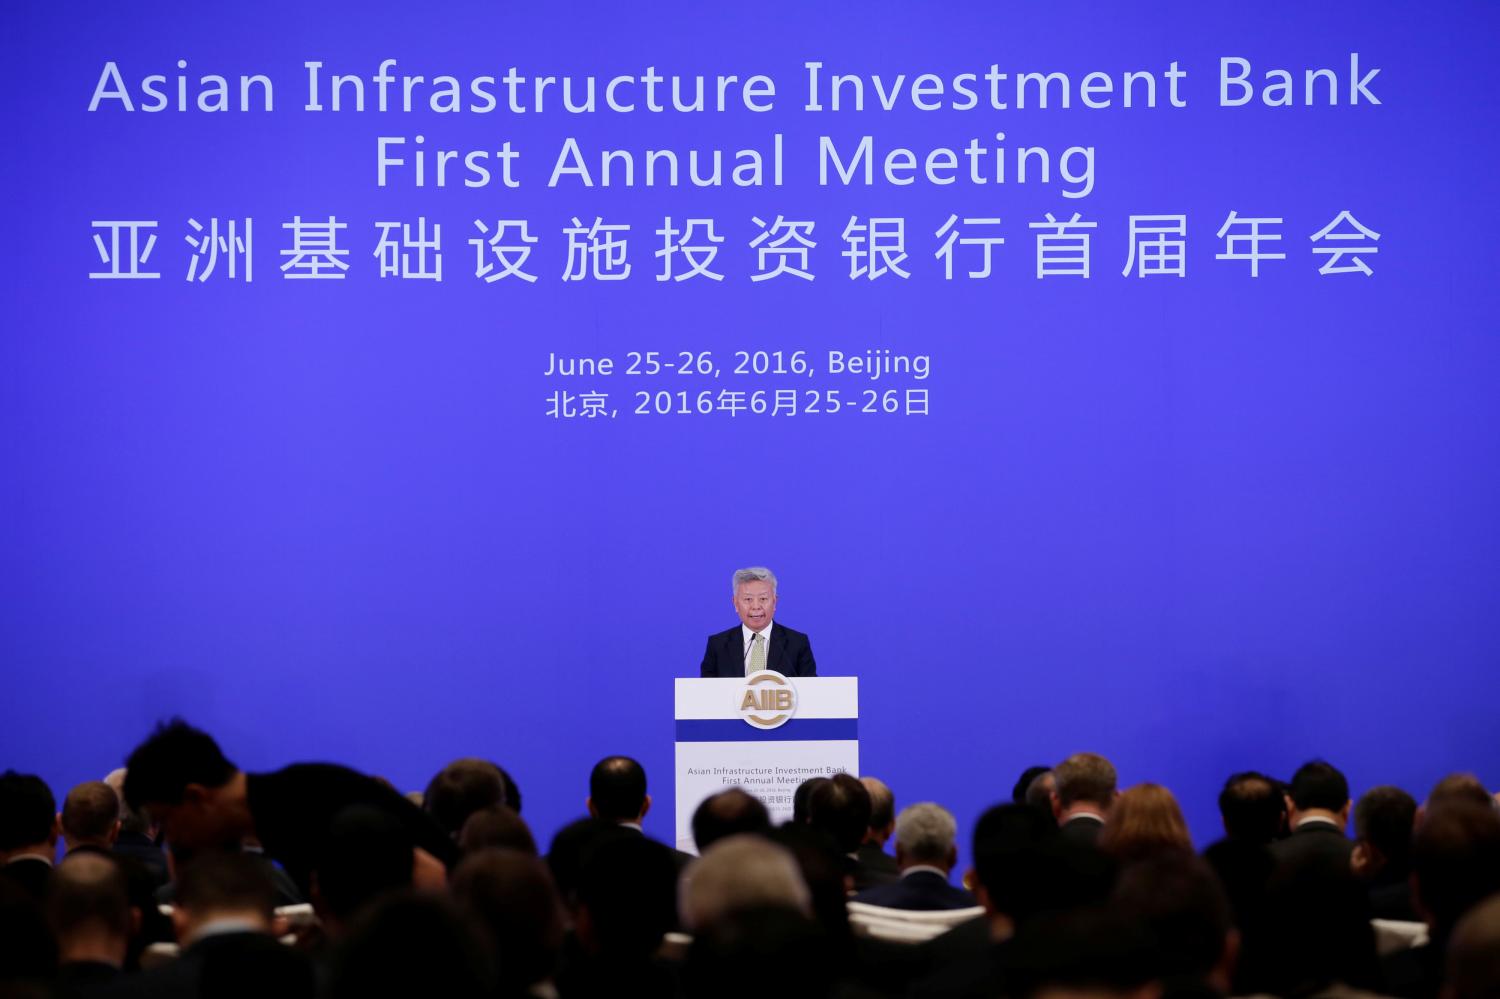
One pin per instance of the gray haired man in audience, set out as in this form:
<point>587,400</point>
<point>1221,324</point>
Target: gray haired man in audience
<point>738,873</point>
<point>926,853</point>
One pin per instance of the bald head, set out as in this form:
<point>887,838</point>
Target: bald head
<point>882,809</point>
<point>726,814</point>
<point>91,815</point>
<point>88,908</point>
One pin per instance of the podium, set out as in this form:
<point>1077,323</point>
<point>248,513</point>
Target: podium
<point>765,733</point>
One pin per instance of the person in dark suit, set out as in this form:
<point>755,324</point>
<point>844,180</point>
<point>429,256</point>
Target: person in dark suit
<point>872,865</point>
<point>1084,791</point>
<point>203,801</point>
<point>1318,810</point>
<point>1384,818</point>
<point>758,643</point>
<point>28,832</point>
<point>617,793</point>
<point>926,852</point>
<point>224,917</point>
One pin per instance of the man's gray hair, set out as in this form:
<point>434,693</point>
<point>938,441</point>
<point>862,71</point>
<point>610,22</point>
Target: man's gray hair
<point>741,872</point>
<point>926,831</point>
<point>754,574</point>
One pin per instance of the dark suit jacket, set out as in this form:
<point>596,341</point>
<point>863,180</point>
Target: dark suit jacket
<point>873,866</point>
<point>790,653</point>
<point>1082,830</point>
<point>254,962</point>
<point>922,891</point>
<point>294,807</point>
<point>1315,843</point>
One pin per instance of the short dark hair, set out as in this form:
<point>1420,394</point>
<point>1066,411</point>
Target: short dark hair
<point>366,854</point>
<point>27,810</point>
<point>460,789</point>
<point>216,880</point>
<point>172,757</point>
<point>88,888</point>
<point>801,796</point>
<point>1024,782</point>
<point>842,808</point>
<point>412,944</point>
<point>566,852</point>
<point>1085,777</point>
<point>1319,784</point>
<point>617,787</point>
<point>1384,817</point>
<point>498,825</point>
<point>1455,859</point>
<point>90,811</point>
<point>1252,806</point>
<point>726,814</point>
<point>1179,899</point>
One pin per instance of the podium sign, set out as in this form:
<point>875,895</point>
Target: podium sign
<point>766,733</point>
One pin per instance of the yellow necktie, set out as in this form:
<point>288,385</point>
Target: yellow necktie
<point>757,653</point>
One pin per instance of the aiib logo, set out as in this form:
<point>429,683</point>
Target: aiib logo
<point>768,700</point>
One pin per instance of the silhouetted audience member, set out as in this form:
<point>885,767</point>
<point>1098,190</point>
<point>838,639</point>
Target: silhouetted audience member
<point>1473,964</point>
<point>825,872</point>
<point>1384,818</point>
<point>617,793</point>
<point>772,937</point>
<point>1455,866</point>
<point>137,837</point>
<point>1316,934</point>
<point>496,826</point>
<point>1028,777</point>
<point>841,808</point>
<point>1083,795</point>
<point>802,795</point>
<point>203,801</point>
<point>566,853</point>
<point>460,789</point>
<point>28,832</point>
<point>1461,788</point>
<point>627,902</point>
<point>1177,897</point>
<point>1144,821</point>
<point>740,873</point>
<point>873,865</point>
<point>88,909</point>
<point>28,953</point>
<point>726,814</point>
<point>1253,808</point>
<point>927,851</point>
<point>510,895</point>
<point>225,919</point>
<point>90,818</point>
<point>1088,952</point>
<point>1318,813</point>
<point>411,944</point>
<point>366,855</point>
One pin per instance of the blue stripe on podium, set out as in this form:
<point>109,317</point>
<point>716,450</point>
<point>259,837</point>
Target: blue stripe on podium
<point>795,730</point>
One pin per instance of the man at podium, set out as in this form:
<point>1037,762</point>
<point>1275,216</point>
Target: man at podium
<point>758,643</point>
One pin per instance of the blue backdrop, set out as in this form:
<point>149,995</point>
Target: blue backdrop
<point>1199,523</point>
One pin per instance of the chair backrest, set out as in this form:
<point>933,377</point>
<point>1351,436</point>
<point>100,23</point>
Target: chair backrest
<point>906,925</point>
